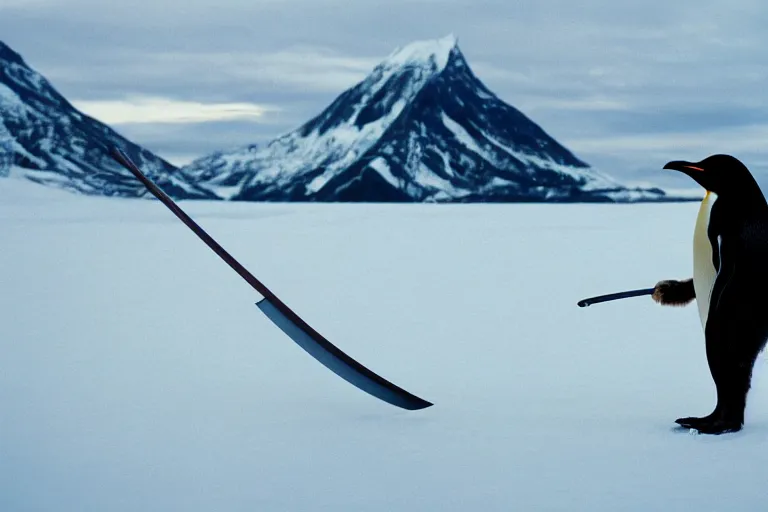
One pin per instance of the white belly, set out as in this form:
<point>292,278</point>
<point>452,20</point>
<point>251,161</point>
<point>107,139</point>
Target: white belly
<point>703,270</point>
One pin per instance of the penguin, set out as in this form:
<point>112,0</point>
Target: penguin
<point>730,283</point>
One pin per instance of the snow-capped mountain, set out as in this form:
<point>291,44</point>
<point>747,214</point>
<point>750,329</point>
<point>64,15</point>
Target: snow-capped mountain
<point>420,127</point>
<point>53,143</point>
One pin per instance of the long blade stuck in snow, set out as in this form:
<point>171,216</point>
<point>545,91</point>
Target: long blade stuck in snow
<point>614,296</point>
<point>288,321</point>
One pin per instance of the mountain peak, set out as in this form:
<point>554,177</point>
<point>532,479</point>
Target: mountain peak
<point>7,54</point>
<point>434,52</point>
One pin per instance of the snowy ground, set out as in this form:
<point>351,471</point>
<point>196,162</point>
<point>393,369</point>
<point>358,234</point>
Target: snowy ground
<point>136,374</point>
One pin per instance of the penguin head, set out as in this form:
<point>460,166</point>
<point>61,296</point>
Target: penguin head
<point>724,175</point>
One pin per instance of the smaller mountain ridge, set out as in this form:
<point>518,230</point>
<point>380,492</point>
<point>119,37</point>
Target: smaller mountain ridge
<point>420,127</point>
<point>53,143</point>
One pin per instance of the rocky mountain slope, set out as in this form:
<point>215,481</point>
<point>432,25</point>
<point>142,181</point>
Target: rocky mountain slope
<point>53,143</point>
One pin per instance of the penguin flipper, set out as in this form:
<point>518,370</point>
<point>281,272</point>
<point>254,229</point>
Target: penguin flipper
<point>674,293</point>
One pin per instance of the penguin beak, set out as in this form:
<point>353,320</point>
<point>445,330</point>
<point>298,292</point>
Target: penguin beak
<point>683,166</point>
<point>694,170</point>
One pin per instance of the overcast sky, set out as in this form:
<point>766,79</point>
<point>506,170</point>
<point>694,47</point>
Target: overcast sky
<point>626,86</point>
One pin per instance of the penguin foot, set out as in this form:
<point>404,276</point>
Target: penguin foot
<point>711,424</point>
<point>693,422</point>
<point>674,293</point>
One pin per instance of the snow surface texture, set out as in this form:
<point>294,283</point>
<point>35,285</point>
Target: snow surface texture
<point>136,373</point>
<point>55,144</point>
<point>420,127</point>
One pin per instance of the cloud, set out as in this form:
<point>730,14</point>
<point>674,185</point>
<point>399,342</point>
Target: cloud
<point>304,68</point>
<point>316,69</point>
<point>587,104</point>
<point>143,109</point>
<point>698,145</point>
<point>24,4</point>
